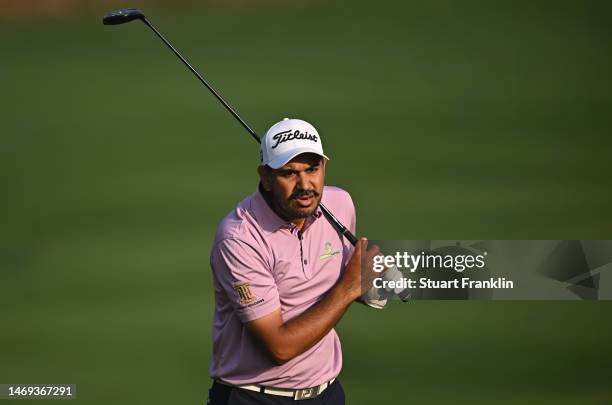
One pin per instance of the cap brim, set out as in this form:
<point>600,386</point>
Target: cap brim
<point>281,160</point>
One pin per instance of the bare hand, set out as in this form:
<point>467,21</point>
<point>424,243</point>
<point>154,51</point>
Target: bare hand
<point>358,275</point>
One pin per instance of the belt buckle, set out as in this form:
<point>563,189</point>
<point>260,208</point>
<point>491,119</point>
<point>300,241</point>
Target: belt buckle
<point>307,393</point>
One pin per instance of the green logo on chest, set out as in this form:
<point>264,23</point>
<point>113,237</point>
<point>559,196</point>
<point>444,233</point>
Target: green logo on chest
<point>327,251</point>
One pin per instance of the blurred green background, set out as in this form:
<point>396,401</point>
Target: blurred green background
<point>444,119</point>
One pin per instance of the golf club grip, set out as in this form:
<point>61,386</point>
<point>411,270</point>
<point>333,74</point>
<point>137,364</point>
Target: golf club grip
<point>338,225</point>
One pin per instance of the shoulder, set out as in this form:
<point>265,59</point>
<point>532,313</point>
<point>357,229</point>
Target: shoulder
<point>238,224</point>
<point>335,197</point>
<point>339,201</point>
<point>239,243</point>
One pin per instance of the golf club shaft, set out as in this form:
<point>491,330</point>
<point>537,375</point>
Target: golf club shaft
<point>328,214</point>
<point>338,225</point>
<point>204,82</point>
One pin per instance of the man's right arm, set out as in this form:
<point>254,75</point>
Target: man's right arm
<point>286,340</point>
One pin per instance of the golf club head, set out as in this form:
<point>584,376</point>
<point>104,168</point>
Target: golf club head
<point>122,16</point>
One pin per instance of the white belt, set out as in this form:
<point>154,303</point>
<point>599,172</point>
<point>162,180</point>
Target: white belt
<point>304,393</point>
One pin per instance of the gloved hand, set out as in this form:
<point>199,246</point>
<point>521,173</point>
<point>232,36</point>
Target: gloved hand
<point>377,297</point>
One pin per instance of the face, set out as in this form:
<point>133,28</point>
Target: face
<point>295,188</point>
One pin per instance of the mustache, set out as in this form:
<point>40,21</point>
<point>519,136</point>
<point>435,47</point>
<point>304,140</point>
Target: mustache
<point>302,193</point>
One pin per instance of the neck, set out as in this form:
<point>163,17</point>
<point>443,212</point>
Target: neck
<point>299,223</point>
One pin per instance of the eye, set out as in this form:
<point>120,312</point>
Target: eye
<point>287,173</point>
<point>312,169</point>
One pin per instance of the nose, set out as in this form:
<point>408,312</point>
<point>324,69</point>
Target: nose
<point>302,181</point>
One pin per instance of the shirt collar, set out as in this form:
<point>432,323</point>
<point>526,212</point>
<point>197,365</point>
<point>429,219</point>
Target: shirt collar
<point>270,221</point>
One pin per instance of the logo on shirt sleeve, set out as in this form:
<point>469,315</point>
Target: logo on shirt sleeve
<point>245,294</point>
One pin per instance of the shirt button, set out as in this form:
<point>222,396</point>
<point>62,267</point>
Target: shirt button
<point>305,261</point>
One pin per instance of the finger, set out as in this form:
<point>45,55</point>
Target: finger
<point>360,247</point>
<point>374,251</point>
<point>363,244</point>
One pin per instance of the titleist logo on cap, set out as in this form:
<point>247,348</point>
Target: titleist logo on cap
<point>291,135</point>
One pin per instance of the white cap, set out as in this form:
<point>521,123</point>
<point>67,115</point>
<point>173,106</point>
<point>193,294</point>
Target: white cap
<point>287,139</point>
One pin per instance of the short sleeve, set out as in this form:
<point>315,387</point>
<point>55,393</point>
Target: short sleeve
<point>351,224</point>
<point>244,275</point>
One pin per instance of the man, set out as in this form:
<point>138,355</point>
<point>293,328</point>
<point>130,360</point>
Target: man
<point>283,278</point>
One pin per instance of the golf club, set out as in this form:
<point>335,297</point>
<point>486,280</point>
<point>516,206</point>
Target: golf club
<point>130,14</point>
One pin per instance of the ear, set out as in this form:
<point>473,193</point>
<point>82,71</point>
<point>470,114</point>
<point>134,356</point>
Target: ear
<point>264,177</point>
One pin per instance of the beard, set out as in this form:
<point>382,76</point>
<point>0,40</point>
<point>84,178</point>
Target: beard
<point>291,208</point>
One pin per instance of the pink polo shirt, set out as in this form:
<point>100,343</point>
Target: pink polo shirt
<point>261,263</point>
